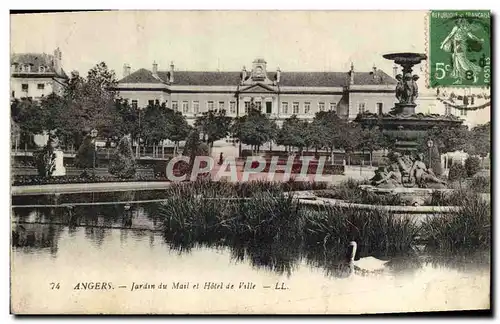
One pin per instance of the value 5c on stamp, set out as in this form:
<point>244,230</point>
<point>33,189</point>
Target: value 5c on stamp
<point>459,48</point>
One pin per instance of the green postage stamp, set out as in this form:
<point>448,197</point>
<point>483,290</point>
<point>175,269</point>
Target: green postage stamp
<point>459,48</point>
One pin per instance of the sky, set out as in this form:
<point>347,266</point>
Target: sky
<point>222,40</point>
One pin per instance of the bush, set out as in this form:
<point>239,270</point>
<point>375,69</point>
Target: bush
<point>472,165</point>
<point>457,172</point>
<point>86,157</point>
<point>481,184</point>
<point>122,163</point>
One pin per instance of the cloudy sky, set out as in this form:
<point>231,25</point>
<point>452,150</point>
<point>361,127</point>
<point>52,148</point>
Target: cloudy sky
<point>224,40</point>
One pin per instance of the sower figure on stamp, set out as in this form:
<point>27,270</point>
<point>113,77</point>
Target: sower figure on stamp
<point>456,43</point>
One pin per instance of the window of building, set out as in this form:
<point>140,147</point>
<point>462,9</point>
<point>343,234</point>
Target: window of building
<point>25,68</point>
<point>175,106</point>
<point>157,102</point>
<point>221,105</point>
<point>134,104</point>
<point>196,107</point>
<point>40,86</point>
<point>258,105</point>
<point>13,94</point>
<point>210,105</point>
<point>284,108</point>
<point>333,106</point>
<point>247,106</point>
<point>232,107</point>
<point>269,107</point>
<point>295,108</point>
<point>321,106</point>
<point>307,107</point>
<point>41,69</point>
<point>380,108</point>
<point>151,102</point>
<point>361,107</point>
<point>463,112</point>
<point>185,106</point>
<point>24,87</point>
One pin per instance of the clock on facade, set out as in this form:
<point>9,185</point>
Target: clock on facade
<point>259,72</point>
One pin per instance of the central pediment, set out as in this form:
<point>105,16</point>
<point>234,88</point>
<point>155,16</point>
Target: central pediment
<point>258,88</point>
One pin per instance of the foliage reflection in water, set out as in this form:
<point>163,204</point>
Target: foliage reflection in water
<point>38,230</point>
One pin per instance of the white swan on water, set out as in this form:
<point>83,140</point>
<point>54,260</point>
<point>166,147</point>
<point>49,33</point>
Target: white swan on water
<point>368,263</point>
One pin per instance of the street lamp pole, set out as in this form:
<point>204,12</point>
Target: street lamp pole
<point>93,135</point>
<point>430,144</point>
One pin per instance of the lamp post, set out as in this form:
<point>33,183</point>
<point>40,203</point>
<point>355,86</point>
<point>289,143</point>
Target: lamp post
<point>93,135</point>
<point>430,144</point>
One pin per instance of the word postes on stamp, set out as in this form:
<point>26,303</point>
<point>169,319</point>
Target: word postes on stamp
<point>459,48</point>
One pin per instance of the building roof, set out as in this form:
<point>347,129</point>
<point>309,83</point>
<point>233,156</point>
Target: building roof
<point>291,79</point>
<point>36,60</point>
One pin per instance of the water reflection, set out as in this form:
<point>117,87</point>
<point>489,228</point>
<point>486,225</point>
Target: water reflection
<point>41,230</point>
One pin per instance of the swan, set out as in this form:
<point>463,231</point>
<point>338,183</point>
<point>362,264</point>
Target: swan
<point>368,263</point>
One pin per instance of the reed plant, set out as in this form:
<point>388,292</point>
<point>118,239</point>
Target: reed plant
<point>468,227</point>
<point>377,230</point>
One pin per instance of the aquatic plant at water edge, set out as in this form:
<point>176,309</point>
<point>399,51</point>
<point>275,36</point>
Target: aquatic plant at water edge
<point>377,230</point>
<point>470,226</point>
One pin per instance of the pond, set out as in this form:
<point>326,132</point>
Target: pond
<point>116,259</point>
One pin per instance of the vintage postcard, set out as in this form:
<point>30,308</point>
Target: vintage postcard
<point>250,162</point>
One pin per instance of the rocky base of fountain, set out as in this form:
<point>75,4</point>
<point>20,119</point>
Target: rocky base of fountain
<point>412,196</point>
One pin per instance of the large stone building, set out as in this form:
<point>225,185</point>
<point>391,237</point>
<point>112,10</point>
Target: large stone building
<point>280,94</point>
<point>34,75</point>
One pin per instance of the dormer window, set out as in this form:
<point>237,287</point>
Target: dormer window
<point>41,69</point>
<point>25,68</point>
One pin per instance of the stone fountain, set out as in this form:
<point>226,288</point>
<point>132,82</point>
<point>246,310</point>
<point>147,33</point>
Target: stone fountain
<point>402,122</point>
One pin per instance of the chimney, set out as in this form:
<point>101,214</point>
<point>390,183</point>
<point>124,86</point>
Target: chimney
<point>278,75</point>
<point>351,73</point>
<point>57,60</point>
<point>394,71</point>
<point>155,68</point>
<point>126,70</point>
<point>171,76</point>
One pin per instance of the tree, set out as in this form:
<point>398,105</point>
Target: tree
<point>91,100</point>
<point>193,148</point>
<point>155,123</point>
<point>255,129</point>
<point>126,119</point>
<point>348,138</point>
<point>315,135</point>
<point>292,133</point>
<point>371,139</point>
<point>177,128</point>
<point>122,163</point>
<point>479,142</point>
<point>213,125</point>
<point>29,117</point>
<point>59,120</point>
<point>448,139</point>
<point>287,134</point>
